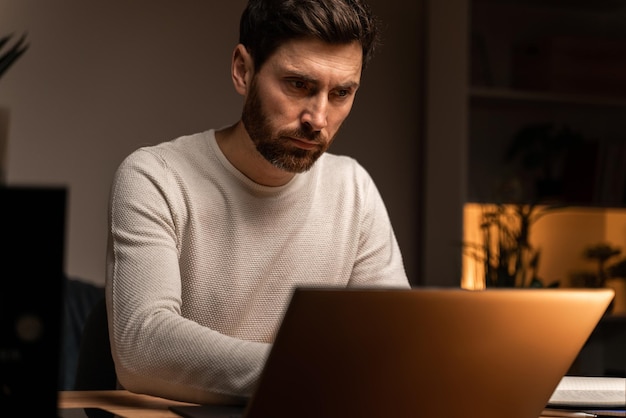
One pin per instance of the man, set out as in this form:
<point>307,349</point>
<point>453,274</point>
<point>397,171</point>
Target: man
<point>210,233</point>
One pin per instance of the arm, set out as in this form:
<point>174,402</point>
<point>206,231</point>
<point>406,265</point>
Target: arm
<point>379,261</point>
<point>156,350</point>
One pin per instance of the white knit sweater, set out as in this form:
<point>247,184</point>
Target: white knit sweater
<point>202,261</point>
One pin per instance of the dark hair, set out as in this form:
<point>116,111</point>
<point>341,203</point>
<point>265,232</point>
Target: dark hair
<point>266,24</point>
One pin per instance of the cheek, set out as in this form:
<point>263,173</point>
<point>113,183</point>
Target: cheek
<point>279,110</point>
<point>337,116</point>
<point>285,111</point>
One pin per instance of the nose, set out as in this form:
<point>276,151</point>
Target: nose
<point>316,113</point>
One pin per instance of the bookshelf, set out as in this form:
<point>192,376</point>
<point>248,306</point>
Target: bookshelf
<point>477,101</point>
<point>557,63</point>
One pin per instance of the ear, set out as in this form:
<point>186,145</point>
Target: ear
<point>242,69</point>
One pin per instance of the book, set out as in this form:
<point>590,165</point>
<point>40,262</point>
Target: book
<point>590,393</point>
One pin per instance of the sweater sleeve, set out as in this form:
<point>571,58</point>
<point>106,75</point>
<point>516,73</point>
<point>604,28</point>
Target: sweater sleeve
<point>379,260</point>
<point>156,350</point>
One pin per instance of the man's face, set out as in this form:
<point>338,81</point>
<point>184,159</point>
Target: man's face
<point>298,100</point>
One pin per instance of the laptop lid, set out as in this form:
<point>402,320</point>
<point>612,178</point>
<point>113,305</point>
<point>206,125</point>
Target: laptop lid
<point>423,352</point>
<point>32,261</point>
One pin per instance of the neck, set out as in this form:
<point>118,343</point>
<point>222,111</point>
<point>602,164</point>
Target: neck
<point>240,151</point>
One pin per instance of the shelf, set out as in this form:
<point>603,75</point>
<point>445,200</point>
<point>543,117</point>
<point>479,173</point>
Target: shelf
<point>587,5</point>
<point>491,94</point>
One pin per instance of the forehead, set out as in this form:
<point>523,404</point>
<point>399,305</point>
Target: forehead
<point>318,60</point>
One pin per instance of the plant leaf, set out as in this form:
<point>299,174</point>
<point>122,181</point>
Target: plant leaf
<point>8,58</point>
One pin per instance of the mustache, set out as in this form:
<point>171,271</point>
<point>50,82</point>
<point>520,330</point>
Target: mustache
<point>314,136</point>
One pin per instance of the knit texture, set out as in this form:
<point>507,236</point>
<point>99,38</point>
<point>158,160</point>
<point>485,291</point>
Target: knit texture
<point>202,261</point>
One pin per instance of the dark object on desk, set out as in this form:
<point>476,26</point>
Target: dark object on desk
<point>208,411</point>
<point>96,370</point>
<point>604,351</point>
<point>85,413</point>
<point>31,298</point>
<point>421,352</point>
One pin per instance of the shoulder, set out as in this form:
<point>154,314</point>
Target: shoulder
<point>181,148</point>
<point>175,156</point>
<point>161,169</point>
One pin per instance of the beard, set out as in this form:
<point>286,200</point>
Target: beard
<point>276,147</point>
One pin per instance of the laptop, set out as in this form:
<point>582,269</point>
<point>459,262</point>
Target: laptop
<point>32,261</point>
<point>419,352</point>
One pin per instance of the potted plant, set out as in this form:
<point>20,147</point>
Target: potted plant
<point>506,254</point>
<point>618,270</point>
<point>533,190</point>
<point>540,150</point>
<point>606,274</point>
<point>601,254</point>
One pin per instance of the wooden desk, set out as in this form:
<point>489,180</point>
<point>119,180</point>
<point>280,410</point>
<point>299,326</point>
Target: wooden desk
<point>120,402</point>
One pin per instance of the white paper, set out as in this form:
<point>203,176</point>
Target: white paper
<point>590,392</point>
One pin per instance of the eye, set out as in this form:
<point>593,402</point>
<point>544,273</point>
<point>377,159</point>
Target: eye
<point>342,94</point>
<point>297,84</point>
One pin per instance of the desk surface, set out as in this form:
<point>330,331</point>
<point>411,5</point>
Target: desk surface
<point>119,402</point>
<point>123,403</point>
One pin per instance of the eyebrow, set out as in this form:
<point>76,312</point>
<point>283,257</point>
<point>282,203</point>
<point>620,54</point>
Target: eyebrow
<point>353,85</point>
<point>350,85</point>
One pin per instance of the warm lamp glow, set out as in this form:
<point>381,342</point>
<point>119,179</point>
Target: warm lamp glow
<point>473,271</point>
<point>561,236</point>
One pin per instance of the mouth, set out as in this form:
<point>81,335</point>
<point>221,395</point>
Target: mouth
<point>303,144</point>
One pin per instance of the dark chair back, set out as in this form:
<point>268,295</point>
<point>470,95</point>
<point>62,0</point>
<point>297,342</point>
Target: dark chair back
<point>96,370</point>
